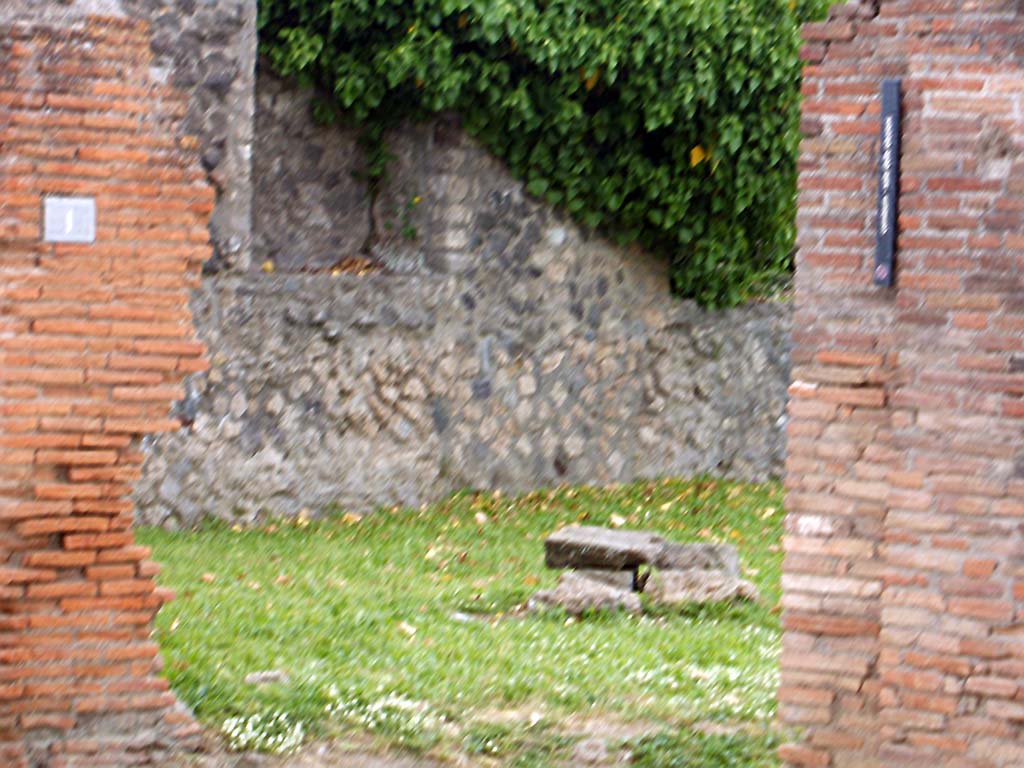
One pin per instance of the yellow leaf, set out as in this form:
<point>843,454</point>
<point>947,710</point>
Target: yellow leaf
<point>463,21</point>
<point>697,155</point>
<point>592,80</point>
<point>268,266</point>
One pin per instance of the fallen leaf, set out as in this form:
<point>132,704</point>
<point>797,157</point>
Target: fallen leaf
<point>406,628</point>
<point>481,518</point>
<point>209,578</point>
<point>616,521</point>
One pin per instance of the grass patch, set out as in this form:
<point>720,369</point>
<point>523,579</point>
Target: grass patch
<point>696,749</point>
<point>408,623</point>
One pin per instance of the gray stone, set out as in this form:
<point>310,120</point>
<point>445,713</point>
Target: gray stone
<point>332,331</point>
<point>695,585</point>
<point>617,579</point>
<point>577,594</point>
<point>707,557</point>
<point>266,677</point>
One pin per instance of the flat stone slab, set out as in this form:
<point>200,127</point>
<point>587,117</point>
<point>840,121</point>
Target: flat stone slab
<point>588,546</point>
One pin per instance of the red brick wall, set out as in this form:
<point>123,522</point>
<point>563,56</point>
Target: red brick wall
<point>94,342</point>
<point>904,572</point>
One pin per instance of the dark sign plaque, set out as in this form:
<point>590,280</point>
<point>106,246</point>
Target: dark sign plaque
<point>888,183</point>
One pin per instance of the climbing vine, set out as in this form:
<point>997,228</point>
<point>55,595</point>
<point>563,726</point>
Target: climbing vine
<point>672,123</point>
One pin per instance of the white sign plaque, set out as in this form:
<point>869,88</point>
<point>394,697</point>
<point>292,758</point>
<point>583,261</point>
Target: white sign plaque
<point>69,219</point>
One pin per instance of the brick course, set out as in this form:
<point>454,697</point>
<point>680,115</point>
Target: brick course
<point>94,342</point>
<point>904,574</point>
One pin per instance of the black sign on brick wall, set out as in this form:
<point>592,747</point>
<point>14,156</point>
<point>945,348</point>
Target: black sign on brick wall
<point>888,183</point>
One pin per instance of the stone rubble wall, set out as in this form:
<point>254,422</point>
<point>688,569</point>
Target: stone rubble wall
<point>498,347</point>
<point>502,348</point>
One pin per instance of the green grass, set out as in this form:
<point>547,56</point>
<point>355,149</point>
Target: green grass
<point>409,624</point>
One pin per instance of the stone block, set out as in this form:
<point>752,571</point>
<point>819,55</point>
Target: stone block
<point>578,594</point>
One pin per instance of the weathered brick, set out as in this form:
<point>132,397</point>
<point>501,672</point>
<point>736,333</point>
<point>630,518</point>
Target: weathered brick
<point>91,357</point>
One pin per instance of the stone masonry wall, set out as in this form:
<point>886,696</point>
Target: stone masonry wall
<point>207,49</point>
<point>904,573</point>
<point>94,342</point>
<point>501,348</point>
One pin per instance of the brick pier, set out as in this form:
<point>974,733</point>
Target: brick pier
<point>904,575</point>
<point>94,342</point>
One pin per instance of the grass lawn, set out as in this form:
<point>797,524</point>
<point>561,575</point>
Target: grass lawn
<point>408,623</point>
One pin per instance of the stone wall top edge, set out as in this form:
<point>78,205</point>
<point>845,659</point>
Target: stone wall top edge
<point>304,285</point>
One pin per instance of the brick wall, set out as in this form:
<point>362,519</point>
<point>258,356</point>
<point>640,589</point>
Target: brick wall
<point>904,572</point>
<point>94,341</point>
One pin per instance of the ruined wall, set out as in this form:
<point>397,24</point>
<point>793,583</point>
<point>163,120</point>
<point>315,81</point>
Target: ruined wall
<point>207,50</point>
<point>501,347</point>
<point>904,578</point>
<point>95,339</point>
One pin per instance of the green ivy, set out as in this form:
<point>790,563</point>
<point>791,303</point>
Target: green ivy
<point>671,123</point>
